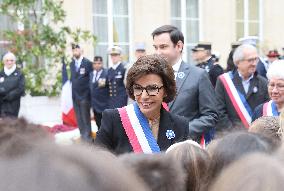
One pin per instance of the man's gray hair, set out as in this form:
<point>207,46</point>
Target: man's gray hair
<point>9,54</point>
<point>239,52</point>
<point>276,70</point>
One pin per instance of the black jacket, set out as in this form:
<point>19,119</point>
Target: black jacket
<point>80,80</point>
<point>12,87</point>
<point>99,92</point>
<point>257,94</point>
<point>112,134</point>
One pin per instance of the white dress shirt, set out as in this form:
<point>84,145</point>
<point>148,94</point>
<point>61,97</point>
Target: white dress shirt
<point>78,62</point>
<point>97,75</point>
<point>176,67</point>
<point>246,83</point>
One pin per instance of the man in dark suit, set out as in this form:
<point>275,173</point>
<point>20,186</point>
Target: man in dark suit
<point>206,61</point>
<point>116,73</point>
<point>99,89</point>
<point>195,98</point>
<point>80,70</point>
<point>249,85</point>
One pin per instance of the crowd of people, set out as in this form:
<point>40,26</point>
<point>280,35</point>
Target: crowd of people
<point>240,160</point>
<point>207,126</point>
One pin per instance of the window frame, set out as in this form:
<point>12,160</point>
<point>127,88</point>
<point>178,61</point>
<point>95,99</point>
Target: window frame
<point>110,29</point>
<point>183,19</point>
<point>246,21</point>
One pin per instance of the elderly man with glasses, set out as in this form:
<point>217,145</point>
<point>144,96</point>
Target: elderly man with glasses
<point>241,90</point>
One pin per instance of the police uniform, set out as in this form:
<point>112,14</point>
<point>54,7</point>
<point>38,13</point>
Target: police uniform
<point>213,69</point>
<point>80,71</point>
<point>117,91</point>
<point>99,93</point>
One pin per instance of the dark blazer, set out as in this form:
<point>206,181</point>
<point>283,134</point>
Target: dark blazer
<point>117,91</point>
<point>257,94</point>
<point>99,93</point>
<point>258,112</point>
<point>260,68</point>
<point>80,80</point>
<point>195,100</point>
<point>12,87</point>
<point>112,134</point>
<point>214,70</point>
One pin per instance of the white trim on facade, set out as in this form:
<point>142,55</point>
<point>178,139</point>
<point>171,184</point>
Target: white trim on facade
<point>260,16</point>
<point>183,27</point>
<point>200,16</point>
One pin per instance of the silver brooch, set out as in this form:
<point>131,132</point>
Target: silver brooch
<point>180,75</point>
<point>255,89</point>
<point>170,134</point>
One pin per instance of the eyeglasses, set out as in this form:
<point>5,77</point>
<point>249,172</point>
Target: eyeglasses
<point>251,60</point>
<point>279,87</point>
<point>152,90</point>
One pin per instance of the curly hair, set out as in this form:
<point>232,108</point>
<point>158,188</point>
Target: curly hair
<point>152,64</point>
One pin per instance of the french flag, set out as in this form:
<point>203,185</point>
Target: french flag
<point>68,113</point>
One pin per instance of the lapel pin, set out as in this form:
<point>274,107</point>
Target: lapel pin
<point>170,134</point>
<point>255,89</point>
<point>180,75</point>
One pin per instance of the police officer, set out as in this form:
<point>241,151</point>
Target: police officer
<point>80,71</point>
<point>230,63</point>
<point>203,57</point>
<point>99,89</point>
<point>116,73</point>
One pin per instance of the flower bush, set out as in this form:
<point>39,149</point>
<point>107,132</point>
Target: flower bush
<point>40,42</point>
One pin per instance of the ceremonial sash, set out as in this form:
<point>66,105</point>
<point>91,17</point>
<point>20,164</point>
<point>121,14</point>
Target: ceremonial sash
<point>270,109</point>
<point>137,129</point>
<point>238,99</point>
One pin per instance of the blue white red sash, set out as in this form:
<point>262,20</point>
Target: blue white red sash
<point>137,129</point>
<point>270,109</point>
<point>237,98</point>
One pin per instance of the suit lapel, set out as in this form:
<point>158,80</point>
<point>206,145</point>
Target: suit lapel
<point>165,124</point>
<point>252,86</point>
<point>238,83</point>
<point>73,68</point>
<point>180,79</point>
<point>182,75</point>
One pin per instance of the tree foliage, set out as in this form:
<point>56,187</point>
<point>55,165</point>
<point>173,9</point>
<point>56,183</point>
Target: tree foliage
<point>41,41</point>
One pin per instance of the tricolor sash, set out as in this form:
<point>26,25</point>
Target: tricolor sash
<point>270,109</point>
<point>137,129</point>
<point>237,98</point>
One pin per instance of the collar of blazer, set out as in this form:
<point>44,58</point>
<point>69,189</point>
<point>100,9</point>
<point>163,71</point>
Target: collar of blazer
<point>238,84</point>
<point>184,70</point>
<point>166,123</point>
<point>182,75</point>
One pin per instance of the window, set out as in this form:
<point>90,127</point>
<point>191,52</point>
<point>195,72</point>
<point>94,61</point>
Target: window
<point>111,26</point>
<point>5,24</point>
<point>248,18</point>
<point>185,16</point>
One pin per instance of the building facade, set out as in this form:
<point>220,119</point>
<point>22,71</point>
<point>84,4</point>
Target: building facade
<point>221,22</point>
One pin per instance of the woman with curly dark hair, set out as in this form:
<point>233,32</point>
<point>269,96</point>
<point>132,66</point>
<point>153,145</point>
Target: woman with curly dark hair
<point>144,126</point>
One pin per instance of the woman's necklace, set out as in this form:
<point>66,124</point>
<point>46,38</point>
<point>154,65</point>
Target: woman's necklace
<point>153,123</point>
